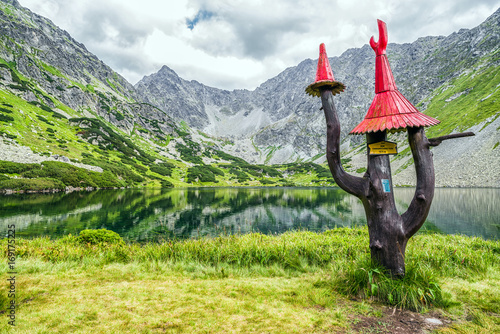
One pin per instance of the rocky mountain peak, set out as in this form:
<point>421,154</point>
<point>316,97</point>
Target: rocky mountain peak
<point>166,71</point>
<point>293,128</point>
<point>14,3</point>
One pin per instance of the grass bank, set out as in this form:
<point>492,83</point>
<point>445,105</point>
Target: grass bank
<point>298,282</point>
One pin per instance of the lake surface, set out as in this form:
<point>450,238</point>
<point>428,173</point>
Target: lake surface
<point>156,214</point>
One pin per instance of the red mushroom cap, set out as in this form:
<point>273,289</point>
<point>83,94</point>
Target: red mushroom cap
<point>324,76</point>
<point>390,110</point>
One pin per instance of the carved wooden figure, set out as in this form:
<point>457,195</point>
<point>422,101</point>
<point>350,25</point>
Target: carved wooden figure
<point>390,111</point>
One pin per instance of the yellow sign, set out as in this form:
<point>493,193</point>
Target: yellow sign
<point>383,147</point>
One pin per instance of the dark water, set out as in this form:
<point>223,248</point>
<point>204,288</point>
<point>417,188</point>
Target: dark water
<point>155,214</point>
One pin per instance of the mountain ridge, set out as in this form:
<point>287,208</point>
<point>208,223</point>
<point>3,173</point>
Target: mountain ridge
<point>358,100</point>
<point>294,126</point>
<point>67,121</point>
<point>65,102</point>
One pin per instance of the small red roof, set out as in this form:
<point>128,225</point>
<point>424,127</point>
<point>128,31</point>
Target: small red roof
<point>324,76</point>
<point>390,110</point>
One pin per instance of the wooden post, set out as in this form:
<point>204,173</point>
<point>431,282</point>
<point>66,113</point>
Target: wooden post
<point>389,232</point>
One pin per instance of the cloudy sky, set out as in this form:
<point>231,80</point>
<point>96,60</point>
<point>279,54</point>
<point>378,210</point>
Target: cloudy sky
<point>235,44</point>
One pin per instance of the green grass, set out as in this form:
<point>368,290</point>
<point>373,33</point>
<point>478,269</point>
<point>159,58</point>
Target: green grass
<point>54,175</point>
<point>417,290</point>
<point>479,103</point>
<point>249,283</point>
<point>269,151</point>
<point>38,184</point>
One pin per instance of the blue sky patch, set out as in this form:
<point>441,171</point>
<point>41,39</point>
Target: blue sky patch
<point>202,15</point>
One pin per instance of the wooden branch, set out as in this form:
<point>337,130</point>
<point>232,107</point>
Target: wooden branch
<point>419,207</point>
<point>354,185</point>
<point>437,140</point>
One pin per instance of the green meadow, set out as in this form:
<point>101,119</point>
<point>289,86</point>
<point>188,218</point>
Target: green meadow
<point>297,282</point>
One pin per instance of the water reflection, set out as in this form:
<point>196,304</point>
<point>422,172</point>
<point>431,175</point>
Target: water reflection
<point>467,211</point>
<point>155,214</point>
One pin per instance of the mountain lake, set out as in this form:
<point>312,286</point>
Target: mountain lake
<point>142,215</point>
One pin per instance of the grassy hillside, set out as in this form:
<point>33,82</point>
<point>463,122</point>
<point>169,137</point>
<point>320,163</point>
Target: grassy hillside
<point>124,159</point>
<point>469,99</point>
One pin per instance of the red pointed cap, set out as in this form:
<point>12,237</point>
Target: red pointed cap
<point>390,110</point>
<point>324,71</point>
<point>324,76</point>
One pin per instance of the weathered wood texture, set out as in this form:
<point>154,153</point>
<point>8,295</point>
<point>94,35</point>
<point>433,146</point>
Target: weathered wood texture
<point>438,140</point>
<point>389,232</point>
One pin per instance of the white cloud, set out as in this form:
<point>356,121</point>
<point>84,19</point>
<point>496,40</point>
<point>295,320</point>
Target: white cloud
<point>196,64</point>
<point>239,43</point>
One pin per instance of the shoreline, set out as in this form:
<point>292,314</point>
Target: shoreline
<point>67,190</point>
<point>90,189</point>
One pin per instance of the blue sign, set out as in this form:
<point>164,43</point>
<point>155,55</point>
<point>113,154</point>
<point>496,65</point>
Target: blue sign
<point>386,185</point>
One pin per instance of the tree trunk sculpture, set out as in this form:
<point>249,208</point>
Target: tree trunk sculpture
<point>389,232</point>
<point>390,111</point>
